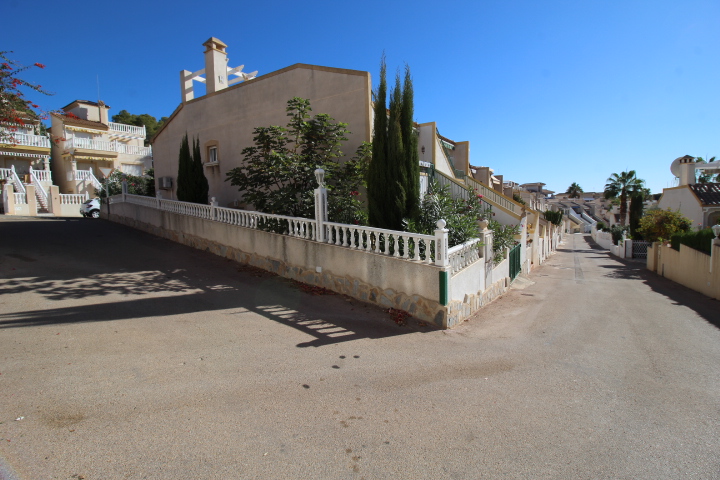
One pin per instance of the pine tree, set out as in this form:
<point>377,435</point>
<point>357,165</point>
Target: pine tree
<point>200,182</point>
<point>410,144</point>
<point>184,178</point>
<point>377,173</point>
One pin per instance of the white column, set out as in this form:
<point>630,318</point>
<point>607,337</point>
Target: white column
<point>441,244</point>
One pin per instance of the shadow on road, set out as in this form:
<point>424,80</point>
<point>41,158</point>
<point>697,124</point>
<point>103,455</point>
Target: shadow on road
<point>704,306</point>
<point>91,259</point>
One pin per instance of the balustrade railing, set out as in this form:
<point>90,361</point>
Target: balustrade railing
<point>42,175</point>
<point>130,129</point>
<point>493,196</point>
<point>73,199</point>
<point>405,245</point>
<point>5,173</point>
<point>28,140</point>
<point>84,175</point>
<point>464,255</point>
<point>15,180</point>
<point>39,190</point>
<point>20,198</point>
<point>108,146</point>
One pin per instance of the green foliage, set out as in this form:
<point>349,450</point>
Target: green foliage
<point>503,238</point>
<point>192,185</point>
<point>700,240</point>
<point>394,174</point>
<point>554,217</point>
<point>574,190</point>
<point>660,225</point>
<point>519,199</point>
<point>703,177</point>
<point>637,205</point>
<point>152,125</point>
<point>617,232</point>
<point>136,185</point>
<point>14,108</point>
<point>277,175</point>
<point>461,216</point>
<point>601,227</point>
<point>621,186</point>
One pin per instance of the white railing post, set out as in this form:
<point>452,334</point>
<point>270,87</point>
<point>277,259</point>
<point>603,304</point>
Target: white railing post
<point>321,213</point>
<point>441,244</point>
<point>213,205</point>
<point>158,197</point>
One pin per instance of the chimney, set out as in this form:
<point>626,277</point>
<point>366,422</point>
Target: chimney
<point>215,65</point>
<point>103,112</point>
<point>687,170</point>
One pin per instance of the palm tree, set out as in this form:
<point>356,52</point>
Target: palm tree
<point>623,185</point>
<point>574,190</point>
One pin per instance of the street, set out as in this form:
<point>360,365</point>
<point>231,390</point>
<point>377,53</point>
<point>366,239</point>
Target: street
<point>125,356</point>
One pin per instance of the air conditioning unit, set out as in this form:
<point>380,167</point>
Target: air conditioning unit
<point>166,183</point>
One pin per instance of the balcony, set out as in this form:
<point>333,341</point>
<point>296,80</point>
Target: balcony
<point>108,146</point>
<point>27,140</point>
<point>127,129</point>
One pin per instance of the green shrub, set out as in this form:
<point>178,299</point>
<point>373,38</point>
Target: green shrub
<point>601,227</point>
<point>700,240</point>
<point>617,233</point>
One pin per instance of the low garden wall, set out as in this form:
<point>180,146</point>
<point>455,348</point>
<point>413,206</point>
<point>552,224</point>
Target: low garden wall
<point>412,286</point>
<point>689,267</point>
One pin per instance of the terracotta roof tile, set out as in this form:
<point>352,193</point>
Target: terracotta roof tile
<point>708,193</point>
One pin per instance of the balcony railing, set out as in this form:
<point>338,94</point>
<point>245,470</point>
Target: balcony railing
<point>129,129</point>
<point>109,146</point>
<point>27,140</point>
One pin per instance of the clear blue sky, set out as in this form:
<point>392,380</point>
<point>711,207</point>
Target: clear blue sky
<point>550,91</point>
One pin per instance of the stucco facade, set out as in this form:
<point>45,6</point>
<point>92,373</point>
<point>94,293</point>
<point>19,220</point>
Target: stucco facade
<point>223,120</point>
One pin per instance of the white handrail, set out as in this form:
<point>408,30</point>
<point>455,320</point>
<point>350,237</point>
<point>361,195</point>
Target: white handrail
<point>131,129</point>
<point>4,173</point>
<point>465,254</point>
<point>73,199</point>
<point>15,180</point>
<point>29,140</point>
<point>38,186</point>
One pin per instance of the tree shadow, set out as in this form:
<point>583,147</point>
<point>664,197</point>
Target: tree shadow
<point>626,269</point>
<point>161,279</point>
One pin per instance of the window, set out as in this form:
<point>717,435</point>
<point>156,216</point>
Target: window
<point>212,155</point>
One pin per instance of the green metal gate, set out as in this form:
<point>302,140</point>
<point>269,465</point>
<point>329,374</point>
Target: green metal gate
<point>515,261</point>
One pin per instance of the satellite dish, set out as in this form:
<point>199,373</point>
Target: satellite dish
<point>675,167</point>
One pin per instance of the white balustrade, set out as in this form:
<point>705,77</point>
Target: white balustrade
<point>39,190</point>
<point>465,254</point>
<point>85,175</point>
<point>73,199</point>
<point>29,140</point>
<point>130,129</point>
<point>410,246</point>
<point>5,173</point>
<point>20,198</point>
<point>15,180</point>
<point>493,196</point>
<point>108,146</point>
<point>42,175</point>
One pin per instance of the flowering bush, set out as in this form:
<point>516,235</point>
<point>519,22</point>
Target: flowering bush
<point>14,108</point>
<point>136,185</point>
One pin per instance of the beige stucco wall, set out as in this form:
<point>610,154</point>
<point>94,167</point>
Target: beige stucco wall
<point>687,267</point>
<point>229,116</point>
<point>682,199</point>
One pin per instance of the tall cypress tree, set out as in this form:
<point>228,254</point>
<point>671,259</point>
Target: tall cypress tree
<point>377,172</point>
<point>410,144</point>
<point>201,187</point>
<point>396,168</point>
<point>184,178</point>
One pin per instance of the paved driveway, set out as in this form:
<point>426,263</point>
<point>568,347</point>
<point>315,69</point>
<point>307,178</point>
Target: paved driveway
<point>128,356</point>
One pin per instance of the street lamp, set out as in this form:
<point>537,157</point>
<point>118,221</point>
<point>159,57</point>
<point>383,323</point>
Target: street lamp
<point>716,230</point>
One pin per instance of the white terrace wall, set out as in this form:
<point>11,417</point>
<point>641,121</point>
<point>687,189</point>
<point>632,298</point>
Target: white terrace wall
<point>688,267</point>
<point>380,279</point>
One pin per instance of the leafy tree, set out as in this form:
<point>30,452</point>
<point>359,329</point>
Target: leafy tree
<point>151,124</point>
<point>394,175</point>
<point>278,172</point>
<point>622,185</point>
<point>659,225</point>
<point>554,217</point>
<point>637,205</point>
<point>201,187</point>
<point>574,190</point>
<point>15,109</point>
<point>461,216</point>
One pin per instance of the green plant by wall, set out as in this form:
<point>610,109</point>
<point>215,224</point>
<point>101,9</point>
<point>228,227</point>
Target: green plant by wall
<point>617,232</point>
<point>554,217</point>
<point>503,238</point>
<point>659,225</point>
<point>700,240</point>
<point>519,199</point>
<point>601,227</point>
<point>136,185</point>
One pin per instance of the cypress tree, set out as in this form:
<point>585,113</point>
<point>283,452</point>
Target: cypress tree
<point>201,187</point>
<point>184,178</point>
<point>410,144</point>
<point>377,172</point>
<point>396,168</point>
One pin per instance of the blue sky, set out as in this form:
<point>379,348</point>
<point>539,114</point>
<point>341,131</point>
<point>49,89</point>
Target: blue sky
<point>553,91</point>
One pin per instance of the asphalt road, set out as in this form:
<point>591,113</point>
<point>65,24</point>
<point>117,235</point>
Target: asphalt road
<point>125,356</point>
